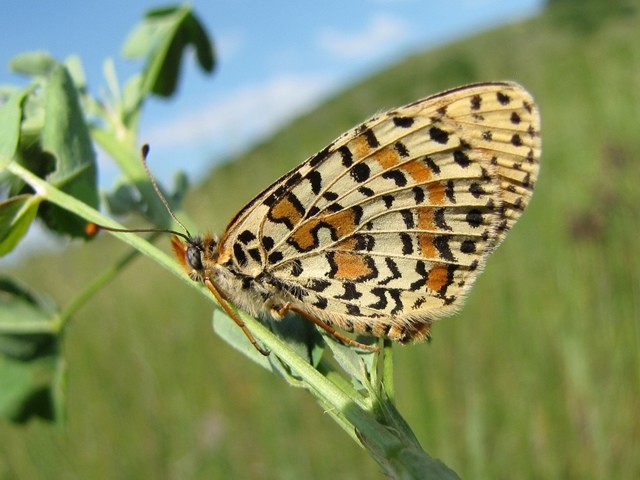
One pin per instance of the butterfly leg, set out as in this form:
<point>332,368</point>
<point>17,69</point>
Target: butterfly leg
<point>225,306</point>
<point>282,311</point>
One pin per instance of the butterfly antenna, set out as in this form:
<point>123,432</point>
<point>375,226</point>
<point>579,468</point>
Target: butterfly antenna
<point>145,152</point>
<point>92,228</point>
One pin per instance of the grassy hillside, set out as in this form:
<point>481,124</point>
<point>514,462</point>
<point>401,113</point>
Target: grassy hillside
<point>538,377</point>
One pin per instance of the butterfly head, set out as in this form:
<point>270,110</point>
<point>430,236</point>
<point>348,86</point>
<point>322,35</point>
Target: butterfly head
<point>195,254</point>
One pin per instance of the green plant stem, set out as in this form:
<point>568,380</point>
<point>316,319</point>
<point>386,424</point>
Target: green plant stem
<point>387,370</point>
<point>379,428</point>
<point>53,195</point>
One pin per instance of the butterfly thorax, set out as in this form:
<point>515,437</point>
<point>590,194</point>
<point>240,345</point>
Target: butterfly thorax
<point>240,272</point>
<point>249,287</point>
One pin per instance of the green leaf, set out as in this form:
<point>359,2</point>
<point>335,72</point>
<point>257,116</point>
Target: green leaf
<point>357,363</point>
<point>33,64</point>
<point>131,99</point>
<point>31,371</point>
<point>111,77</point>
<point>124,198</point>
<point>66,137</point>
<point>162,38</point>
<point>180,187</point>
<point>227,329</point>
<point>303,338</point>
<point>16,215</point>
<point>300,335</point>
<point>76,70</point>
<point>52,140</point>
<point>32,116</point>
<point>10,119</point>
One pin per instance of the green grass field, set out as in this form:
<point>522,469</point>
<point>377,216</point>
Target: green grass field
<point>537,377</point>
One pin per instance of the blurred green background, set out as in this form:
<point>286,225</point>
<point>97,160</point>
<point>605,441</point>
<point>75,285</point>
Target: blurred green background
<point>537,377</point>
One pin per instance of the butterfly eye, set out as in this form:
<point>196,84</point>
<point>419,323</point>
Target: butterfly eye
<point>193,257</point>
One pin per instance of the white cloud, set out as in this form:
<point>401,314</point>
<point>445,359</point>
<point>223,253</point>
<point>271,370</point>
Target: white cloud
<point>382,31</point>
<point>245,114</point>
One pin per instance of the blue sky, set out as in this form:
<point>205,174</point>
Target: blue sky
<point>276,59</point>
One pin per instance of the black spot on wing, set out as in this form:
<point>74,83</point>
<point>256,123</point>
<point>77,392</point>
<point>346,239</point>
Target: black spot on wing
<point>401,148</point>
<point>461,158</point>
<point>476,102</point>
<point>372,141</point>
<point>516,141</point>
<point>240,256</point>
<point>350,291</point>
<point>381,294</point>
<point>360,172</point>
<point>407,218</point>
<point>418,195</point>
<point>267,243</point>
<point>428,161</point>
<point>421,270</point>
<point>403,122</point>
<point>397,176</point>
<point>439,218</point>
<point>246,236</point>
<point>273,196</point>
<point>346,155</point>
<point>407,243</point>
<point>315,179</point>
<point>474,218</point>
<point>320,303</point>
<point>275,257</point>
<point>393,268</point>
<point>441,242</point>
<point>254,253</point>
<point>320,157</point>
<point>468,246</point>
<point>292,180</point>
<point>449,191</point>
<point>503,98</point>
<point>438,135</point>
<point>364,241</point>
<point>330,196</point>
<point>366,191</point>
<point>318,285</point>
<point>477,190</point>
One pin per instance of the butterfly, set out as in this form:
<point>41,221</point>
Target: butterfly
<point>386,229</point>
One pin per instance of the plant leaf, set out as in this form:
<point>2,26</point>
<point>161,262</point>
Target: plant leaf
<point>16,215</point>
<point>300,335</point>
<point>76,70</point>
<point>357,363</point>
<point>227,329</point>
<point>33,64</point>
<point>10,119</point>
<point>31,371</point>
<point>162,38</point>
<point>66,137</point>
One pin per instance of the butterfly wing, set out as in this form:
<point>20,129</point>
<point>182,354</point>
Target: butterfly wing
<point>387,228</point>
